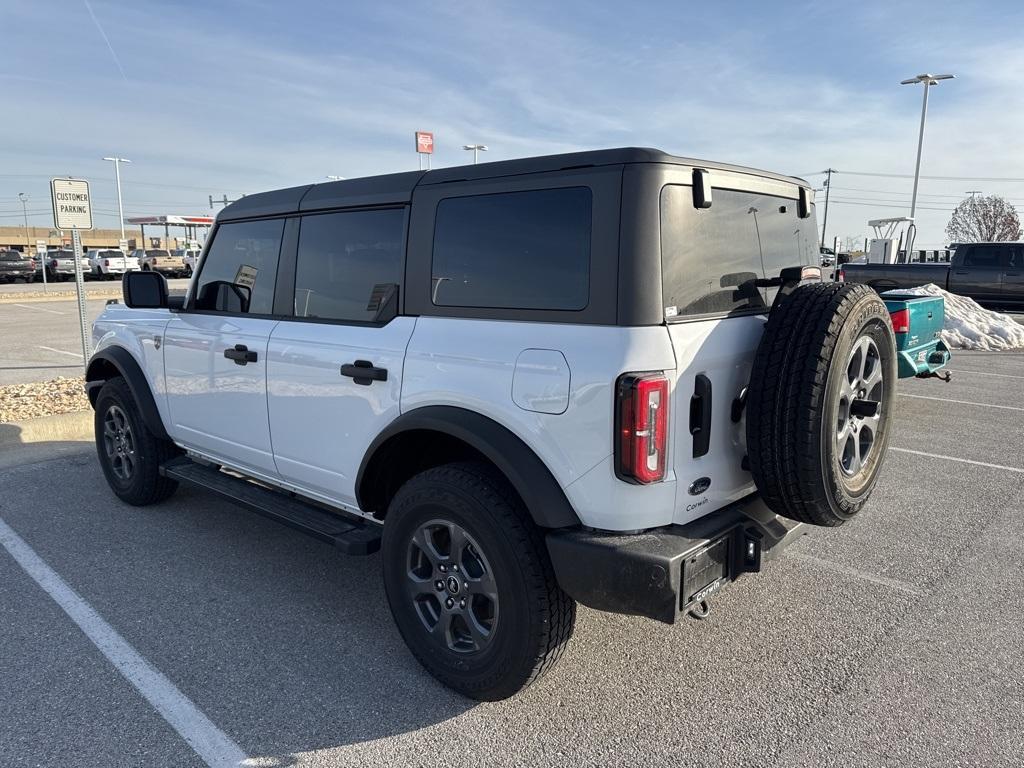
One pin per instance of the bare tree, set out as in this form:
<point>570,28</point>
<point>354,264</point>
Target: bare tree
<point>983,219</point>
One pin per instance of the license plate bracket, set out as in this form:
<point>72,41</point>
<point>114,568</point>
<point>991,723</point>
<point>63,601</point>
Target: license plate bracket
<point>706,570</point>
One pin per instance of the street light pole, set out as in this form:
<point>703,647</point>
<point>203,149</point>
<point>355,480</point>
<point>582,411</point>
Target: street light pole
<point>24,212</point>
<point>828,187</point>
<point>928,81</point>
<point>477,149</point>
<point>117,176</point>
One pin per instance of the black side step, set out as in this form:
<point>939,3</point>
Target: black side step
<point>353,537</point>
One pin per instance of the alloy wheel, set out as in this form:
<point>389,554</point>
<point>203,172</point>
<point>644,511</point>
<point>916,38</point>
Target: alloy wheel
<point>451,586</point>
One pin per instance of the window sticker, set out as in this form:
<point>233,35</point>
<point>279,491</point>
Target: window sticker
<point>246,276</point>
<point>671,311</point>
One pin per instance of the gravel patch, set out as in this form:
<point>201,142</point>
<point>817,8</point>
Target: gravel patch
<point>42,398</point>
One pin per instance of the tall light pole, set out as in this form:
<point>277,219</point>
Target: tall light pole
<point>24,212</point>
<point>929,81</point>
<point>828,188</point>
<point>477,149</point>
<point>117,176</point>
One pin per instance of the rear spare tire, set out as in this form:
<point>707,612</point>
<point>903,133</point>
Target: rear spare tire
<point>820,402</point>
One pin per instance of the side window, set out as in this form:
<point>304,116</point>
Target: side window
<point>514,250</point>
<point>983,256</point>
<point>240,269</point>
<point>1014,257</point>
<point>346,263</point>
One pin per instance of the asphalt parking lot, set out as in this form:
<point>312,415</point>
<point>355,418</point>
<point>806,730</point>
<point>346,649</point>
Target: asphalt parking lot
<point>41,339</point>
<point>895,640</point>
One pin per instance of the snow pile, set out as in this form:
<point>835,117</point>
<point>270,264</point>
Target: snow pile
<point>969,326</point>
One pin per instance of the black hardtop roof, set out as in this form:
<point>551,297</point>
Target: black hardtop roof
<point>397,188</point>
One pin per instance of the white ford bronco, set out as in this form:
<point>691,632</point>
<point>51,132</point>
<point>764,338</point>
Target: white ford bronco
<point>612,377</point>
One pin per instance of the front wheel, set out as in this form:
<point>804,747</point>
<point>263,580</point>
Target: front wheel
<point>129,453</point>
<point>470,584</point>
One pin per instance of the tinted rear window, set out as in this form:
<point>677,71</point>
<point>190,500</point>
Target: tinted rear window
<point>712,256</point>
<point>984,256</point>
<point>345,261</point>
<point>10,256</point>
<point>516,250</point>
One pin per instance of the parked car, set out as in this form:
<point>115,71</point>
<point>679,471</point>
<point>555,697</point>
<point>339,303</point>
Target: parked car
<point>60,265</point>
<point>109,263</point>
<point>990,273</point>
<point>190,258</point>
<point>159,260</point>
<point>16,266</point>
<point>605,377</point>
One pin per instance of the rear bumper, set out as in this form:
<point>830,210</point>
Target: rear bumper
<point>643,574</point>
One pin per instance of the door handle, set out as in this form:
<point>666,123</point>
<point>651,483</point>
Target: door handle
<point>363,372</point>
<point>700,415</point>
<point>241,354</point>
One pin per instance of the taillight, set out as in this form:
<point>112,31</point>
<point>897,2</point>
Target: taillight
<point>53,263</point>
<point>106,262</point>
<point>900,321</point>
<point>641,421</point>
<point>840,276</point>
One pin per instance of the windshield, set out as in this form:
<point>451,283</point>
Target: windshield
<point>712,256</point>
<point>10,256</point>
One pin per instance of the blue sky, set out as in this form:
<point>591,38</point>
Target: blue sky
<point>232,97</point>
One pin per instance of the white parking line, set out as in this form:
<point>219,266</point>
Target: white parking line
<point>39,309</point>
<point>884,581</point>
<point>985,373</point>
<point>62,352</point>
<point>211,744</point>
<point>963,402</point>
<point>957,458</point>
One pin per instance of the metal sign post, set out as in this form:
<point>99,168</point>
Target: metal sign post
<point>72,210</point>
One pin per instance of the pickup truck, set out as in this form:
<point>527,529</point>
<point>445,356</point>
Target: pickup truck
<point>990,273</point>
<point>60,265</point>
<point>15,266</point>
<point>111,263</point>
<point>606,378</point>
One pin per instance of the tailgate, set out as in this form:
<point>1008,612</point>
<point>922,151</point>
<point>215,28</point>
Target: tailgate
<point>713,363</point>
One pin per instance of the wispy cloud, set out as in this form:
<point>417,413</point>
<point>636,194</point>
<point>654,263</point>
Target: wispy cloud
<point>106,40</point>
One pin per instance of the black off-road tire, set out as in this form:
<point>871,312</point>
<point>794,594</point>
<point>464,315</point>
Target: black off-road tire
<point>799,403</point>
<point>144,484</point>
<point>535,617</point>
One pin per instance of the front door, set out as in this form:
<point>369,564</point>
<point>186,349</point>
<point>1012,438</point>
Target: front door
<point>215,350</point>
<point>334,370</point>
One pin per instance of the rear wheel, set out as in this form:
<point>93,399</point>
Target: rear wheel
<point>470,584</point>
<point>129,453</point>
<point>820,401</point>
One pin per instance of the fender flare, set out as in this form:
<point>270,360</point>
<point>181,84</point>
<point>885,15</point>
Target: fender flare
<point>130,370</point>
<point>537,487</point>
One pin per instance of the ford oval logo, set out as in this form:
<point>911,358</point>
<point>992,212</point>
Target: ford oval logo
<point>698,486</point>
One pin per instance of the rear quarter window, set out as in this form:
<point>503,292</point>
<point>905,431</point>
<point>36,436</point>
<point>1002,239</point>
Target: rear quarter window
<point>513,250</point>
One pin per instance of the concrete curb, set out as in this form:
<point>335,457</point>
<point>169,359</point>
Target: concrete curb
<point>75,426</point>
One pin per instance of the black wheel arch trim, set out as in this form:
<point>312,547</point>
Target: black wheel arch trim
<point>130,370</point>
<point>537,487</point>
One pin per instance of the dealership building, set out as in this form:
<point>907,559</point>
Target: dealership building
<point>166,231</point>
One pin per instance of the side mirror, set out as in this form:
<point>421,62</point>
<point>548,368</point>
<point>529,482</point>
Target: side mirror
<point>222,296</point>
<point>144,290</point>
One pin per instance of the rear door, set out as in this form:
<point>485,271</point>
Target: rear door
<point>334,367</point>
<point>215,351</point>
<point>715,311</point>
<point>980,273</point>
<point>1012,288</point>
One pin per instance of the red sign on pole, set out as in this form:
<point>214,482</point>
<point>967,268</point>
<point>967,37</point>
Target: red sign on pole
<point>425,142</point>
